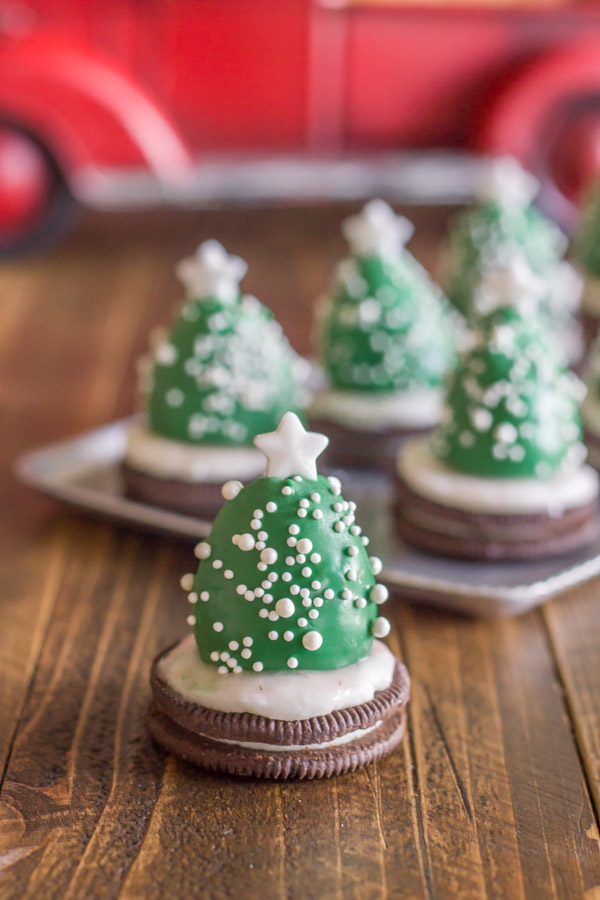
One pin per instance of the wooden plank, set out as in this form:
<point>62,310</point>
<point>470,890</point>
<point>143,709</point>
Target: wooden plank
<point>573,624</point>
<point>504,804</point>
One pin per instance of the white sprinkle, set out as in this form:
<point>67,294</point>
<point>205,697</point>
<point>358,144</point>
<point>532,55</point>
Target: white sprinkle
<point>257,666</point>
<point>302,513</point>
<point>228,574</point>
<point>346,594</point>
<point>314,614</point>
<point>304,504</point>
<point>202,550</point>
<point>297,477</point>
<point>263,613</point>
<point>304,545</point>
<point>204,595</point>
<point>215,656</point>
<point>294,589</point>
<point>247,641</point>
<point>246,541</point>
<point>329,594</point>
<point>223,670</point>
<point>273,576</point>
<point>292,541</point>
<point>315,557</point>
<point>261,566</point>
<point>335,484</point>
<point>316,498</point>
<point>353,551</point>
<point>338,507</point>
<point>317,514</point>
<point>233,645</point>
<point>288,635</point>
<point>312,640</point>
<point>285,607</point>
<point>262,535</point>
<point>379,593</point>
<point>306,572</point>
<point>380,627</point>
<point>269,556</point>
<point>237,670</point>
<point>306,601</point>
<point>272,615</point>
<point>258,513</point>
<point>302,622</point>
<point>289,560</point>
<point>286,490</point>
<point>351,575</point>
<point>249,595</point>
<point>217,563</point>
<point>234,539</point>
<point>258,592</point>
<point>318,601</point>
<point>360,602</point>
<point>187,581</point>
<point>339,526</point>
<point>273,635</point>
<point>193,597</point>
<point>241,588</point>
<point>355,529</point>
<point>365,540</point>
<point>507,433</point>
<point>231,489</point>
<point>218,626</point>
<point>256,524</point>
<point>271,506</point>
<point>376,564</point>
<point>482,419</point>
<point>191,620</point>
<point>292,662</point>
<point>225,655</point>
<point>300,558</point>
<point>287,576</point>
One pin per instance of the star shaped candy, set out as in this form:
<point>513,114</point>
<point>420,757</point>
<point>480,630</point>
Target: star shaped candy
<point>211,272</point>
<point>376,231</point>
<point>512,283</point>
<point>291,450</point>
<point>505,181</point>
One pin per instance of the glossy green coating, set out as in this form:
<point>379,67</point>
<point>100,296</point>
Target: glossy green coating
<point>224,374</point>
<point>387,327</point>
<point>321,587</point>
<point>588,239</point>
<point>486,235</point>
<point>511,408</point>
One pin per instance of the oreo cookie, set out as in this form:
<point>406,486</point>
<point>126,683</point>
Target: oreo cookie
<point>352,448</point>
<point>191,498</point>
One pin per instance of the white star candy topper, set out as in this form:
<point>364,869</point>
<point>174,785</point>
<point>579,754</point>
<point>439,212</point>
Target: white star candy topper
<point>376,230</point>
<point>291,450</point>
<point>511,284</point>
<point>211,272</point>
<point>505,181</point>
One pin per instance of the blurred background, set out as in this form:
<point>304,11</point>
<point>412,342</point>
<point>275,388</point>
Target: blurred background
<point>120,105</point>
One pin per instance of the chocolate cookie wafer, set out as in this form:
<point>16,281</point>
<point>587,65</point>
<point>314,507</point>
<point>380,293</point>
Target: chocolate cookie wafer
<point>462,534</point>
<point>349,447</point>
<point>192,498</point>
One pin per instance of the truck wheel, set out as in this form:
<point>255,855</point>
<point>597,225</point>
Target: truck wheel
<point>36,206</point>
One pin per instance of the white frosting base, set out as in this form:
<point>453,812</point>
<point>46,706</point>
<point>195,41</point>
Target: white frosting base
<point>419,408</point>
<point>502,496</point>
<point>590,301</point>
<point>286,748</point>
<point>166,458</point>
<point>278,695</point>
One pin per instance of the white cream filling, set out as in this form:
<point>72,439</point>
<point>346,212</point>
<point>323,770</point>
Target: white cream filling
<point>286,748</point>
<point>418,408</point>
<point>165,458</point>
<point>503,496</point>
<point>590,301</point>
<point>277,695</point>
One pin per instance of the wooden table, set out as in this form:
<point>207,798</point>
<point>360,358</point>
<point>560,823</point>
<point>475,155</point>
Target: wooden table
<point>495,792</point>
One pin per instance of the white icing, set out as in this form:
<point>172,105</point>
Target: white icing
<point>286,748</point>
<point>504,180</point>
<point>590,302</point>
<point>211,272</point>
<point>418,408</point>
<point>291,450</point>
<point>377,230</point>
<point>503,496</point>
<point>156,455</point>
<point>277,695</point>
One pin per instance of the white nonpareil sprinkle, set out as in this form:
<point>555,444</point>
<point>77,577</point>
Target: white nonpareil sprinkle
<point>271,506</point>
<point>315,558</point>
<point>288,635</point>
<point>193,597</point>
<point>204,595</point>
<point>329,594</point>
<point>191,620</point>
<point>233,645</point>
<point>300,558</point>
<point>314,614</point>
<point>241,588</point>
<point>247,641</point>
<point>246,541</point>
<point>231,489</point>
<point>217,563</point>
<point>360,602</point>
<point>285,607</point>
<point>507,433</point>
<point>273,635</point>
<point>353,551</point>
<point>294,529</point>
<point>257,666</point>
<point>376,564</point>
<point>339,526</point>
<point>218,626</point>
<point>312,640</point>
<point>304,545</point>
<point>317,514</point>
<point>316,498</point>
<point>258,513</point>
<point>202,550</point>
<point>336,484</point>
<point>286,490</point>
<point>215,655</point>
<point>263,613</point>
<point>381,627</point>
<point>302,622</point>
<point>318,601</point>
<point>269,556</point>
<point>379,593</point>
<point>287,576</point>
<point>302,513</point>
<point>256,524</point>
<point>292,662</point>
<point>228,574</point>
<point>187,581</point>
<point>306,572</point>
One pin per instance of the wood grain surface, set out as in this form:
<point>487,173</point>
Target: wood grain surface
<point>495,792</point>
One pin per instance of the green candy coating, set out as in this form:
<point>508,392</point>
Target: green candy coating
<point>238,595</point>
<point>224,374</point>
<point>386,328</point>
<point>511,407</point>
<point>485,235</point>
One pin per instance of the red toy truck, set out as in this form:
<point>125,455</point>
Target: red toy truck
<point>126,102</point>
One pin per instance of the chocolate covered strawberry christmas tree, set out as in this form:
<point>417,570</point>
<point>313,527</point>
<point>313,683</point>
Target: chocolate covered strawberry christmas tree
<point>223,373</point>
<point>285,677</point>
<point>387,337</point>
<point>512,408</point>
<point>503,224</point>
<point>285,580</point>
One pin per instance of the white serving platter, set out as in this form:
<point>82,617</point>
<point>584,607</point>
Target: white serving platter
<point>85,472</point>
